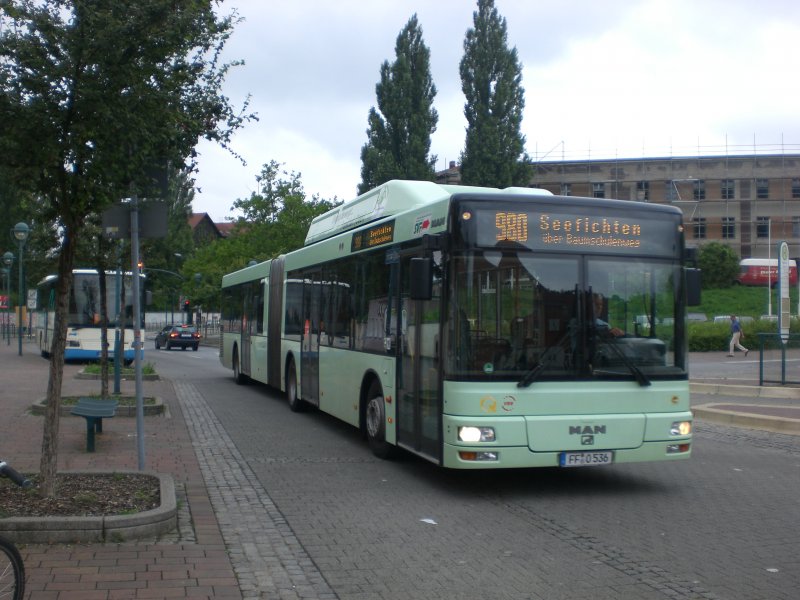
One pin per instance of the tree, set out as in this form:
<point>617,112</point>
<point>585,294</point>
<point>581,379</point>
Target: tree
<point>719,265</point>
<point>399,133</point>
<point>275,219</point>
<point>163,258</point>
<point>491,77</point>
<point>95,95</point>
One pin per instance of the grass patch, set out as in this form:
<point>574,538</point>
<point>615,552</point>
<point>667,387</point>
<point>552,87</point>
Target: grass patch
<point>94,369</point>
<point>122,400</point>
<point>742,300</point>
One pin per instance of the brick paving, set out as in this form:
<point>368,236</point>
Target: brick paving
<point>191,562</point>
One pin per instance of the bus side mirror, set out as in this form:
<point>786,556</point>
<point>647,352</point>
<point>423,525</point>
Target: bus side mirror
<point>421,278</point>
<point>693,278</point>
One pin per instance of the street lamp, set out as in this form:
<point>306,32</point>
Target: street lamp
<point>8,260</point>
<point>21,232</point>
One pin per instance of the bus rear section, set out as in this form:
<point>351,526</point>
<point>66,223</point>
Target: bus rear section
<point>763,271</point>
<point>84,315</point>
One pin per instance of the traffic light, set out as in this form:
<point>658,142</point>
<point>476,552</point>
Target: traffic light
<point>187,305</point>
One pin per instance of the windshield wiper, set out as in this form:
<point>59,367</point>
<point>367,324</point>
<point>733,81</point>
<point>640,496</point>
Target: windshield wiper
<point>534,373</point>
<point>641,378</point>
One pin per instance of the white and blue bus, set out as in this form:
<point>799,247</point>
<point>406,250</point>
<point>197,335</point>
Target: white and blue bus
<point>478,327</point>
<point>84,326</point>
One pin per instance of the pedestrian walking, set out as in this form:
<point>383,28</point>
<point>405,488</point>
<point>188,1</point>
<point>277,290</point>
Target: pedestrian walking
<point>737,335</point>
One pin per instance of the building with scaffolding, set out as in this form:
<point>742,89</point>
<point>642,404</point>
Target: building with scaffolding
<point>748,201</point>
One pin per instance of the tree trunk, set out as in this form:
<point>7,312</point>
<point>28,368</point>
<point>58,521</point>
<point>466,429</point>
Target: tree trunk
<point>48,468</point>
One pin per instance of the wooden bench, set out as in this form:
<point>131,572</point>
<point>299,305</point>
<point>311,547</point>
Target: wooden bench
<point>94,410</point>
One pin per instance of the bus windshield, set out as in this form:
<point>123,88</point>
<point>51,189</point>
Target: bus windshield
<point>525,316</point>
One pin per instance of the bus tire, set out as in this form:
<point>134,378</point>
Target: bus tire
<point>238,377</point>
<point>295,403</point>
<point>375,422</point>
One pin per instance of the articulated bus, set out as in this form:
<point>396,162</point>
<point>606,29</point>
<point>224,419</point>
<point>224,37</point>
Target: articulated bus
<point>478,328</point>
<point>84,317</point>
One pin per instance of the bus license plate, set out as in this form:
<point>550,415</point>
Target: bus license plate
<point>585,459</point>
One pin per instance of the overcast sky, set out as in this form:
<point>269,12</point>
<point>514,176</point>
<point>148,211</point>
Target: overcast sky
<point>602,78</point>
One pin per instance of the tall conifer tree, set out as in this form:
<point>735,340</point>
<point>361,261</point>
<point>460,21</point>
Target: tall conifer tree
<point>399,134</point>
<point>491,76</point>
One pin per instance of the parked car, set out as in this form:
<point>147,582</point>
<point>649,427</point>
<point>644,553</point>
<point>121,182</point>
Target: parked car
<point>698,317</point>
<point>178,336</point>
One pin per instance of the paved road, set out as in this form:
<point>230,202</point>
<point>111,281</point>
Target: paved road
<point>336,522</point>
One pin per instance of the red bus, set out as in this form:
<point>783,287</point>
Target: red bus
<point>763,271</point>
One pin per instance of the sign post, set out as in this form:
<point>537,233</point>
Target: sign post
<point>784,309</point>
<point>136,218</point>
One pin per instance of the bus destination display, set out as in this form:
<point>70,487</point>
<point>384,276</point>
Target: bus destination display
<point>551,230</point>
<point>372,237</point>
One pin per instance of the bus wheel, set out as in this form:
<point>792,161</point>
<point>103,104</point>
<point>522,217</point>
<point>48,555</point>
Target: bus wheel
<point>238,377</point>
<point>295,403</point>
<point>375,421</point>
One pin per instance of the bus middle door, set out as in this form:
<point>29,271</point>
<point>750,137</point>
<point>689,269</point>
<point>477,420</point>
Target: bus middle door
<point>309,347</point>
<point>247,329</point>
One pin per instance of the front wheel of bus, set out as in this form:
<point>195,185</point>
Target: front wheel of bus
<point>238,377</point>
<point>295,403</point>
<point>375,421</point>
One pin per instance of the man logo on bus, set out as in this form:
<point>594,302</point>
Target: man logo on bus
<point>587,429</point>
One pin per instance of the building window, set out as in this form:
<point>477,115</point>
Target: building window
<point>670,191</point>
<point>762,227</point>
<point>727,189</point>
<point>796,227</point>
<point>643,191</point>
<point>796,187</point>
<point>566,189</point>
<point>699,190</point>
<point>762,188</point>
<point>728,228</point>
<point>699,228</point>
<point>599,190</point>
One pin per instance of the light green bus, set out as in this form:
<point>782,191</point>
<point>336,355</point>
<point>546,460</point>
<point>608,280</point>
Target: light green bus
<point>478,327</point>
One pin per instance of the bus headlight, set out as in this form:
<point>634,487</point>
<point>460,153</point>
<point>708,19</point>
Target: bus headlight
<point>681,428</point>
<point>476,434</point>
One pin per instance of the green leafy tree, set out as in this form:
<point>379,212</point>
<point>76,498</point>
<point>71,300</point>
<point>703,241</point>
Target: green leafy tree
<point>399,133</point>
<point>491,76</point>
<point>94,96</point>
<point>719,265</point>
<point>275,219</point>
<point>164,258</point>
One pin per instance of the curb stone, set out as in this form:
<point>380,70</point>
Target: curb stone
<point>112,528</point>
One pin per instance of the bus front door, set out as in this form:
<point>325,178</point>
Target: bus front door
<point>418,407</point>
